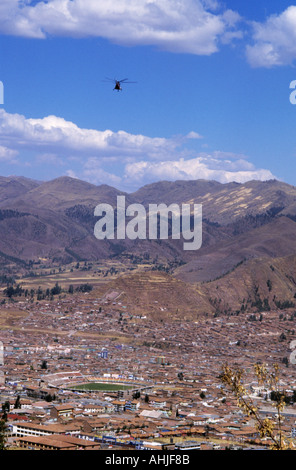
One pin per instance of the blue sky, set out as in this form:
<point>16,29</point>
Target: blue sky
<point>211,98</point>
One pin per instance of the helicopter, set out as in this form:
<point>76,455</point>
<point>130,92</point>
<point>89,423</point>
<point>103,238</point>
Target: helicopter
<point>118,83</point>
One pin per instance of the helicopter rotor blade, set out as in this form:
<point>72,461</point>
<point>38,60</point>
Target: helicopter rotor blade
<point>107,79</point>
<point>125,81</point>
<point>117,82</point>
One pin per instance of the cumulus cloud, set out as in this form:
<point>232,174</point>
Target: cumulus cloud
<point>55,135</point>
<point>274,40</point>
<point>8,155</point>
<point>118,158</point>
<point>191,26</point>
<point>206,166</point>
<point>94,173</point>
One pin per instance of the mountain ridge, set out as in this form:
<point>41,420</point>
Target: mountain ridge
<point>246,226</point>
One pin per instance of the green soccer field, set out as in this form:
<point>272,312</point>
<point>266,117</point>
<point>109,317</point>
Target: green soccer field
<point>102,386</point>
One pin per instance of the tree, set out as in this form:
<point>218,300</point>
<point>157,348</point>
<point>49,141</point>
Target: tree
<point>44,364</point>
<point>2,434</point>
<point>5,410</point>
<point>56,290</point>
<point>49,397</point>
<point>270,428</point>
<point>17,403</point>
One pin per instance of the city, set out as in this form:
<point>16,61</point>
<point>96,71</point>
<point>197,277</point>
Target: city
<point>157,379</point>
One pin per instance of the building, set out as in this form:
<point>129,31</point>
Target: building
<point>187,445</point>
<point>57,442</point>
<point>61,411</point>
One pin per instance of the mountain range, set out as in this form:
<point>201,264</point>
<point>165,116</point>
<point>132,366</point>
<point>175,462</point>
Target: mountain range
<point>248,251</point>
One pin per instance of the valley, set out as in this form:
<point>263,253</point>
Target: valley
<point>144,314</point>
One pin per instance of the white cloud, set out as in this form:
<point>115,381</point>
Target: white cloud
<point>274,40</point>
<point>118,158</point>
<point>8,155</point>
<point>55,135</point>
<point>193,135</point>
<point>94,173</point>
<point>207,167</point>
<point>191,26</point>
